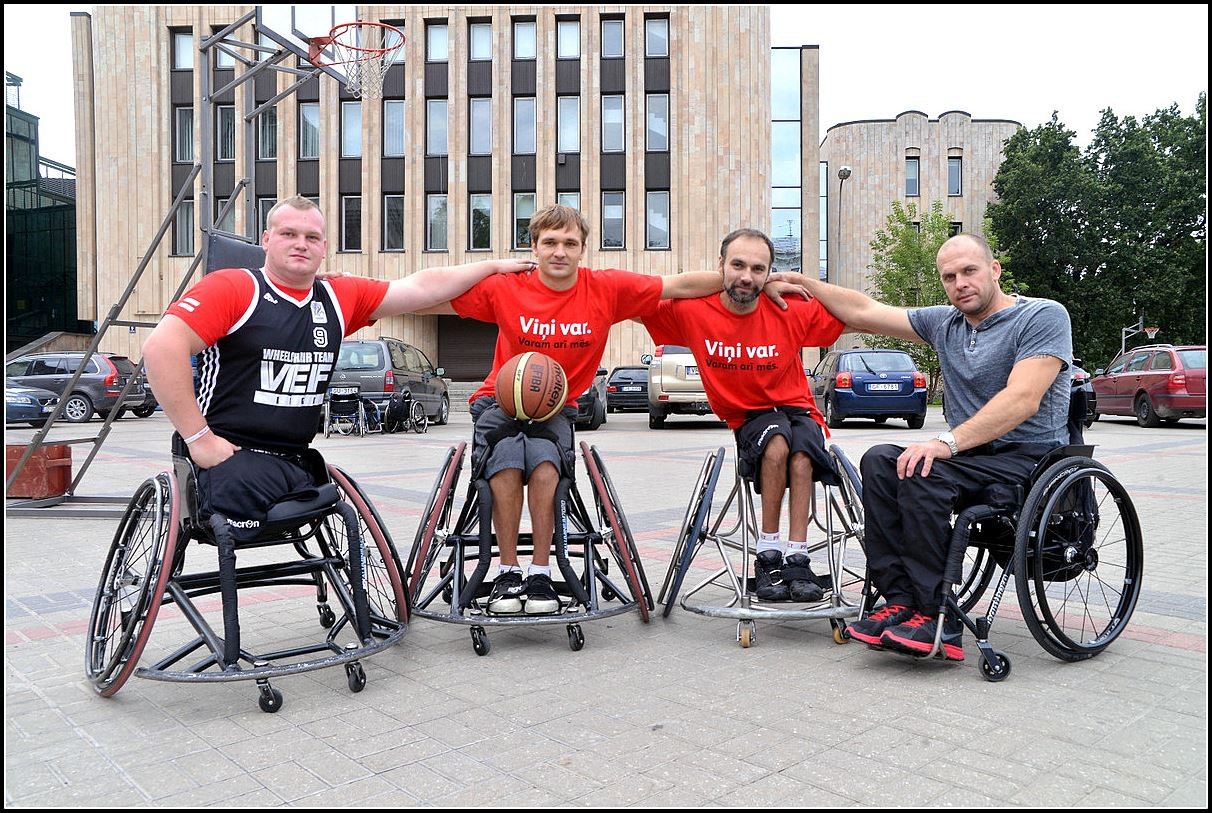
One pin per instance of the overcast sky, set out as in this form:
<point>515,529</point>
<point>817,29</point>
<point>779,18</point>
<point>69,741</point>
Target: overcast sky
<point>998,61</point>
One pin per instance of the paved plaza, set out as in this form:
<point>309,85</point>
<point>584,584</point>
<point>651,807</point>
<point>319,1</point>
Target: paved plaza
<point>672,712</point>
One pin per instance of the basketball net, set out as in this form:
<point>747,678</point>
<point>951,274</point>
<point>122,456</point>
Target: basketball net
<point>1151,331</point>
<point>364,50</point>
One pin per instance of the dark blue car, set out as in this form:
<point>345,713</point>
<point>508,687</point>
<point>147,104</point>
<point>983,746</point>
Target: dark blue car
<point>863,383</point>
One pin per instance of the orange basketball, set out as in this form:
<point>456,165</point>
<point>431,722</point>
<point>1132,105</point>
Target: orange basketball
<point>531,387</point>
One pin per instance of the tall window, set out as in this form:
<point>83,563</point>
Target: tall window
<point>183,230</point>
<point>658,122</point>
<point>570,199</point>
<point>225,134</point>
<point>786,164</point>
<point>222,58</point>
<point>351,223</point>
<point>263,207</point>
<point>568,39</point>
<point>612,39</point>
<point>263,39</point>
<point>523,210</point>
<point>481,41</point>
<point>912,177</point>
<point>656,37</point>
<point>480,227</point>
<point>392,38</point>
<point>435,127</point>
<point>657,232</point>
<point>612,220</point>
<point>225,222</point>
<point>351,129</point>
<point>393,222</point>
<point>480,121</point>
<point>568,124</point>
<point>267,134</point>
<point>612,124</point>
<point>524,42</point>
<point>955,176</point>
<point>955,227</point>
<point>523,125</point>
<point>435,223</point>
<point>437,43</point>
<point>309,130</point>
<point>393,128</point>
<point>183,53</point>
<point>184,150</point>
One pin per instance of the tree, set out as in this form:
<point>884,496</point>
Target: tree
<point>904,274</point>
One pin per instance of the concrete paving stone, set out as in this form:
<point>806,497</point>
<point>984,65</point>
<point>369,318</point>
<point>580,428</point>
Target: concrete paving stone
<point>462,768</point>
<point>700,782</point>
<point>722,765</point>
<point>333,767</point>
<point>785,754</point>
<point>165,779</point>
<point>406,754</point>
<point>450,732</point>
<point>256,800</point>
<point>625,792</point>
<point>560,782</point>
<point>348,794</point>
<point>966,797</point>
<point>971,777</point>
<point>420,781</point>
<point>513,754</point>
<point>570,734</point>
<point>1193,793</point>
<point>290,781</point>
<point>388,800</point>
<point>676,798</point>
<point>215,794</point>
<point>589,764</point>
<point>812,796</point>
<point>530,799</point>
<point>1106,797</point>
<point>207,766</point>
<point>260,753</point>
<point>86,797</point>
<point>482,794</point>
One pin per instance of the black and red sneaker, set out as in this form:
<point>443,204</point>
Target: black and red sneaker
<point>916,637</point>
<point>872,627</point>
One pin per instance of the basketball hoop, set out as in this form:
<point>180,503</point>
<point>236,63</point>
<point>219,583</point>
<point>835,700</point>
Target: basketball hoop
<point>1151,331</point>
<point>364,51</point>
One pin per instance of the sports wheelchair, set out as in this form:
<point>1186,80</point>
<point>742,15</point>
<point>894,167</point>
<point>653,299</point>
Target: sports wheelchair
<point>841,523</point>
<point>1071,539</point>
<point>346,412</point>
<point>440,586</point>
<point>340,545</point>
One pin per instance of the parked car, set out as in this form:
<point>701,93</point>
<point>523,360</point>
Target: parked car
<point>381,366</point>
<point>98,389</point>
<point>1081,381</point>
<point>31,405</point>
<point>674,386</point>
<point>865,383</point>
<point>627,389</point>
<point>591,404</point>
<point>1155,383</point>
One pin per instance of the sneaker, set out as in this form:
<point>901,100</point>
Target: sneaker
<point>541,598</point>
<point>872,627</point>
<point>506,596</point>
<point>768,580</point>
<point>916,637</point>
<point>804,584</point>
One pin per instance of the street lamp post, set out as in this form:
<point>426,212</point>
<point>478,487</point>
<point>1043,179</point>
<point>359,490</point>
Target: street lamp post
<point>842,174</point>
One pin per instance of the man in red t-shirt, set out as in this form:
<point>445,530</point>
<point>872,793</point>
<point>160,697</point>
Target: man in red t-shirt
<point>564,311</point>
<point>268,340</point>
<point>748,354</point>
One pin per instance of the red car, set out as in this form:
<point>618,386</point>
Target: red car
<point>1155,383</point>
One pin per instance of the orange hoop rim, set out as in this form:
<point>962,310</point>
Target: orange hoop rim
<point>356,53</point>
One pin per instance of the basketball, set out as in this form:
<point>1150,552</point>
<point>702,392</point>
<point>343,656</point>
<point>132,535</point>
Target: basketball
<point>531,387</point>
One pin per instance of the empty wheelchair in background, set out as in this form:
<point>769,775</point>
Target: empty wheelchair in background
<point>337,543</point>
<point>442,588</point>
<point>403,414</point>
<point>733,533</point>
<point>345,411</point>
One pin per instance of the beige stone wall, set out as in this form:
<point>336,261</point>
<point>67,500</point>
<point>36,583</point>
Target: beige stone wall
<point>719,159</point>
<point>876,151</point>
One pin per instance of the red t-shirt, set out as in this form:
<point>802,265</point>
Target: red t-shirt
<point>752,361</point>
<point>222,298</point>
<point>570,326</point>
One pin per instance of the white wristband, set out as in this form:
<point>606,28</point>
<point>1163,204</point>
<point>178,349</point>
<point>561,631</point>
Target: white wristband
<point>196,435</point>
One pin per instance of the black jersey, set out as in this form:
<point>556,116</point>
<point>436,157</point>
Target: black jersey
<point>262,385</point>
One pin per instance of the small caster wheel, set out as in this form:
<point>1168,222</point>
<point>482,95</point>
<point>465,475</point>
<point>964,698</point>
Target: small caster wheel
<point>447,594</point>
<point>576,638</point>
<point>271,698</point>
<point>608,594</point>
<point>356,676</point>
<point>1003,668</point>
<point>746,633</point>
<point>840,636</point>
<point>480,642</point>
<point>327,616</point>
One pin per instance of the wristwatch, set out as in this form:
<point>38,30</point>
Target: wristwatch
<point>949,439</point>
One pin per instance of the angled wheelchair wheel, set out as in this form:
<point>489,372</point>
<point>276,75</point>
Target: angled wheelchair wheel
<point>437,515</point>
<point>979,566</point>
<point>846,506</point>
<point>360,420</point>
<point>621,542</point>
<point>384,576</point>
<point>418,418</point>
<point>694,525</point>
<point>1078,559</point>
<point>132,584</point>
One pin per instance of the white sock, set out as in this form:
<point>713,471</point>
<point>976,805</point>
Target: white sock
<point>794,547</point>
<point>767,542</point>
<point>509,569</point>
<point>534,570</point>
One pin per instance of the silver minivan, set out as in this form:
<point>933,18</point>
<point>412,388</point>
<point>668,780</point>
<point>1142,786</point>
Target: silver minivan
<point>379,367</point>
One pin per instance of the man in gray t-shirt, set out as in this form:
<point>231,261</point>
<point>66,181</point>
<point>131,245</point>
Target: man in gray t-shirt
<point>1006,363</point>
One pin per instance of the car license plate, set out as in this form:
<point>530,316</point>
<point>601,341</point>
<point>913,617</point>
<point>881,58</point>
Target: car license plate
<point>692,371</point>
<point>343,390</point>
<point>631,389</point>
<point>883,387</point>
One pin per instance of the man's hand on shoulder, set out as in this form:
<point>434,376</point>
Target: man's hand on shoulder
<point>515,266</point>
<point>322,275</point>
<point>777,288</point>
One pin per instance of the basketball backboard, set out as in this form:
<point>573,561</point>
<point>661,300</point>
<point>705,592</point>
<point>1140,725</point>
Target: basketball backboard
<point>293,27</point>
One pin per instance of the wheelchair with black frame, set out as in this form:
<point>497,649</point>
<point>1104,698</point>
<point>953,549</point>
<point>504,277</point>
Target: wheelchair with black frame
<point>449,564</point>
<point>346,412</point>
<point>729,591</point>
<point>1071,539</point>
<point>340,548</point>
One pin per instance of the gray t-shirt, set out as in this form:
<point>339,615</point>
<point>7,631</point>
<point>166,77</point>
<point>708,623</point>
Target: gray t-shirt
<point>976,361</point>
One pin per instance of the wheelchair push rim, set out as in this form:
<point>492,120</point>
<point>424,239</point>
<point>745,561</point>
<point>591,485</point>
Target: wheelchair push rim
<point>389,601</point>
<point>694,525</point>
<point>621,542</point>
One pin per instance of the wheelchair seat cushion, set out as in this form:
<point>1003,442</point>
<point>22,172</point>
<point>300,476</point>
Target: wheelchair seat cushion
<point>293,509</point>
<point>244,487</point>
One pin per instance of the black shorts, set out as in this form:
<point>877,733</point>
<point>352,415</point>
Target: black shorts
<point>245,486</point>
<point>513,444</point>
<point>802,434</point>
